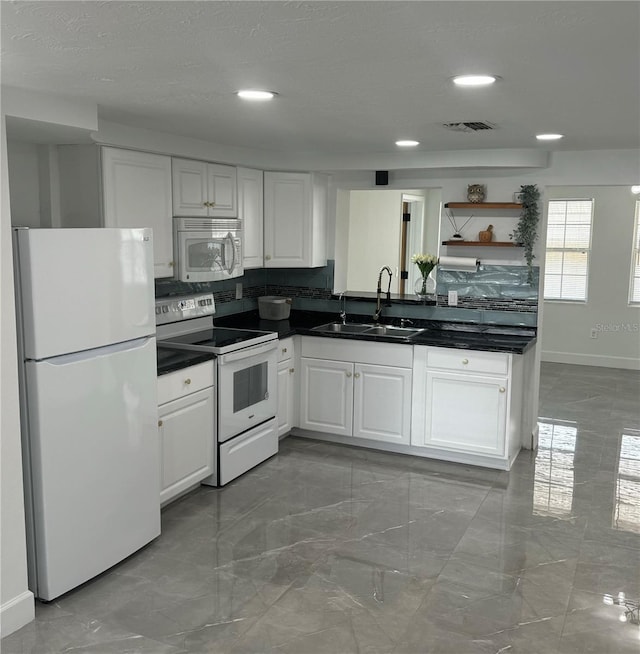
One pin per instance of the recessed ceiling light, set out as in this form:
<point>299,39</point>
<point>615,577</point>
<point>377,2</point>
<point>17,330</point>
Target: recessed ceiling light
<point>407,144</point>
<point>635,189</point>
<point>474,80</point>
<point>250,94</point>
<point>549,137</point>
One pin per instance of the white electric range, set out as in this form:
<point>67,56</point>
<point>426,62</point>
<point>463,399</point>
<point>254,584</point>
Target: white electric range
<point>246,431</point>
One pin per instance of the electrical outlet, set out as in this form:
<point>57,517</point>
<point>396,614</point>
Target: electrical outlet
<point>453,298</point>
<point>239,291</point>
<point>594,332</point>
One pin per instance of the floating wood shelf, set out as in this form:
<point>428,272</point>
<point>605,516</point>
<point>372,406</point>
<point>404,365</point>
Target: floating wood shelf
<point>483,205</point>
<point>483,244</point>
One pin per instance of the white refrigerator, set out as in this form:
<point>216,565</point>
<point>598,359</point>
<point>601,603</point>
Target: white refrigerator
<point>86,332</point>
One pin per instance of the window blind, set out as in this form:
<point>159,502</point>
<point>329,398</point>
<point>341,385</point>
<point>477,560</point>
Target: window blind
<point>568,245</point>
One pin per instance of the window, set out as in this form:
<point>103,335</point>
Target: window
<point>568,245</point>
<point>634,290</point>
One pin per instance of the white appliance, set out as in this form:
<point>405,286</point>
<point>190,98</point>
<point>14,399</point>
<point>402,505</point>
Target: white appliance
<point>86,332</point>
<point>246,432</point>
<point>207,249</point>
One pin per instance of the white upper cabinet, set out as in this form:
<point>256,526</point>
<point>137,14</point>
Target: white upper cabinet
<point>250,211</point>
<point>136,190</point>
<point>204,189</point>
<point>295,220</point>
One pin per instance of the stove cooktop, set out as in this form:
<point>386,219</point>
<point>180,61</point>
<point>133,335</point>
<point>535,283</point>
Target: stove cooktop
<point>219,340</point>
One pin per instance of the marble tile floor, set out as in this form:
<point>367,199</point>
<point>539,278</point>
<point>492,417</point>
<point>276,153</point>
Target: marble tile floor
<point>332,549</point>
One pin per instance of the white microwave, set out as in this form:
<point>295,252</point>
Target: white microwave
<point>207,249</point>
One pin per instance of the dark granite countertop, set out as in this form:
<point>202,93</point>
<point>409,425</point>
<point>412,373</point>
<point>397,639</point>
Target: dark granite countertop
<point>470,336</point>
<point>170,360</point>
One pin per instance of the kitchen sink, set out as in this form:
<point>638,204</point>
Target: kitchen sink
<point>367,330</point>
<point>387,330</point>
<point>339,328</point>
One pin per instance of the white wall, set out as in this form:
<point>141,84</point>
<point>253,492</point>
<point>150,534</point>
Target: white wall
<point>24,177</point>
<point>16,601</point>
<point>567,325</point>
<point>374,238</point>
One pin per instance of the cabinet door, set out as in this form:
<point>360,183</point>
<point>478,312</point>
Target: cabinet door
<point>190,192</point>
<point>466,412</point>
<point>250,211</point>
<point>287,217</point>
<point>285,397</point>
<point>186,429</point>
<point>326,402</point>
<point>221,184</point>
<point>382,403</point>
<point>137,193</point>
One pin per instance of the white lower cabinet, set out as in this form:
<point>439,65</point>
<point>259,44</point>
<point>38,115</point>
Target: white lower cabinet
<point>355,393</point>
<point>186,429</point>
<point>467,405</point>
<point>465,412</point>
<point>286,386</point>
<point>326,396</point>
<point>382,403</point>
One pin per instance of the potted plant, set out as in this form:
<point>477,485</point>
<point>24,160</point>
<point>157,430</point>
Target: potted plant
<point>526,232</point>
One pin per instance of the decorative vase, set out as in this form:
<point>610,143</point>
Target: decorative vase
<point>425,286</point>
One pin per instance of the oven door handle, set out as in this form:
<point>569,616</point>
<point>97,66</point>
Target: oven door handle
<point>247,352</point>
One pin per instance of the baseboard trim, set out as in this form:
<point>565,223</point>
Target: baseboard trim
<point>16,613</point>
<point>597,360</point>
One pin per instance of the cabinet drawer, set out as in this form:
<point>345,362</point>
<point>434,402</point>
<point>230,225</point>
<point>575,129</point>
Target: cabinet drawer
<point>184,382</point>
<point>285,349</point>
<point>495,363</point>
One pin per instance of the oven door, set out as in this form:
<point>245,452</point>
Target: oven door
<point>247,388</point>
<point>209,256</point>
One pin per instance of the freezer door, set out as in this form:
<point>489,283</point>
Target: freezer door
<point>83,288</point>
<point>93,437</point>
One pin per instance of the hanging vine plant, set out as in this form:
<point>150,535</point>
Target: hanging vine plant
<point>526,232</point>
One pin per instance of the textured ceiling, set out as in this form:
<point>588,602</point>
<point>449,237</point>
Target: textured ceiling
<point>353,77</point>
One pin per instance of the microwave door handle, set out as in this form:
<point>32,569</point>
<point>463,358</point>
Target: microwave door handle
<point>229,237</point>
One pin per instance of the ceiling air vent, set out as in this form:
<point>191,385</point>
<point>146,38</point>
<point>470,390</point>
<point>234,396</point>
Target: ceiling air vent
<point>472,126</point>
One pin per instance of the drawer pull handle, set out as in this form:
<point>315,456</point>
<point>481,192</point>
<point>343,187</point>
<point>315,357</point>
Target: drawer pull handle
<point>284,350</point>
<point>502,389</point>
<point>465,361</point>
<point>291,371</point>
<point>159,423</point>
<point>348,374</point>
<point>357,375</point>
<point>187,381</point>
<point>268,257</point>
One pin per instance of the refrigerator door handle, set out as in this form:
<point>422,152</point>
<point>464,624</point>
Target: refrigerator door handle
<point>75,357</point>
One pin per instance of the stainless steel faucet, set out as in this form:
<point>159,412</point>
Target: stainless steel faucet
<point>343,311</point>
<point>376,315</point>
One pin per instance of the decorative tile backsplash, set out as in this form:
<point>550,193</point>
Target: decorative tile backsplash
<point>499,288</point>
<point>494,294</point>
<point>311,283</point>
